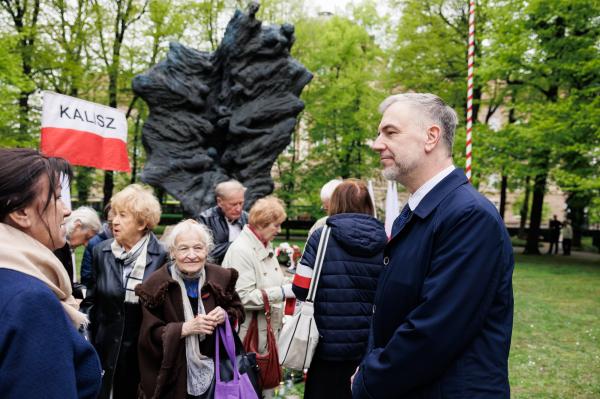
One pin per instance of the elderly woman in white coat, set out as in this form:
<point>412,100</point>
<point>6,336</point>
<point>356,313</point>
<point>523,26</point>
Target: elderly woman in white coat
<point>253,256</point>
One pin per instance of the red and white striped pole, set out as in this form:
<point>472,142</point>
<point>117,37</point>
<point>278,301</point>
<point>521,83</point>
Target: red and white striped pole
<point>470,65</point>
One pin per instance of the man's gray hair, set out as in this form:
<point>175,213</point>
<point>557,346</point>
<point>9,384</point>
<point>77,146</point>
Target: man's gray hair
<point>88,218</point>
<point>434,108</point>
<point>222,190</point>
<point>328,189</point>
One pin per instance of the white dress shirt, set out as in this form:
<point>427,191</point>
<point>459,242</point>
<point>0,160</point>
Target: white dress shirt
<point>234,230</point>
<point>415,198</point>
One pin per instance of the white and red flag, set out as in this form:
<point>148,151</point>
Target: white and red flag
<point>84,133</point>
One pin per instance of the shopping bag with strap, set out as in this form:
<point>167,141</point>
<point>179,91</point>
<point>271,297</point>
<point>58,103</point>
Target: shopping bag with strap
<point>299,336</point>
<point>240,386</point>
<point>268,363</point>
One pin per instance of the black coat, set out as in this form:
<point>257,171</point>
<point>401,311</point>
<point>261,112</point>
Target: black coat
<point>214,219</point>
<point>115,324</point>
<point>344,299</point>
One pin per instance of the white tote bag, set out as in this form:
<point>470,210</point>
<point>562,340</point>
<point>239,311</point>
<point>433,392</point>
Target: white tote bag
<point>299,336</point>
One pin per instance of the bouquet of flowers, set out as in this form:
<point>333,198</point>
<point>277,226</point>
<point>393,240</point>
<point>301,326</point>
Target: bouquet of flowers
<point>288,255</point>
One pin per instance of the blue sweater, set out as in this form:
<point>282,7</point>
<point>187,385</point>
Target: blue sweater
<point>41,354</point>
<point>344,298</point>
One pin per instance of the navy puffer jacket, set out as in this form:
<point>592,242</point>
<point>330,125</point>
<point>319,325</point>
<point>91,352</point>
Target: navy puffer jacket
<point>344,299</point>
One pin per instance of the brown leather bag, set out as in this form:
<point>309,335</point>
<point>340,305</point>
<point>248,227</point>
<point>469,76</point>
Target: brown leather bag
<point>268,363</point>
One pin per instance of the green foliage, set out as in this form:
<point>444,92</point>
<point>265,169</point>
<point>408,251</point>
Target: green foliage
<point>594,212</point>
<point>429,53</point>
<point>341,107</point>
<point>542,57</point>
<point>84,178</point>
<point>11,81</point>
<point>280,11</point>
<point>206,14</point>
<point>537,72</point>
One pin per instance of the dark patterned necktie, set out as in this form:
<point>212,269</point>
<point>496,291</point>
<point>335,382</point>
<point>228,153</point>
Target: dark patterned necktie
<point>401,220</point>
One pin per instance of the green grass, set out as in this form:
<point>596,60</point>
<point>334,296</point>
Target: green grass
<point>555,350</point>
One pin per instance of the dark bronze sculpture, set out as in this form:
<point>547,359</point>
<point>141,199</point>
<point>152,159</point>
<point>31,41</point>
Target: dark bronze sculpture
<point>222,115</point>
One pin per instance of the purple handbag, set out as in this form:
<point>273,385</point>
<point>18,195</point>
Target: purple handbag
<point>240,386</point>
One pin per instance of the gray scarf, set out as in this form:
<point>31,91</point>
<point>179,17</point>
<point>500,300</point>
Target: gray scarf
<point>134,265</point>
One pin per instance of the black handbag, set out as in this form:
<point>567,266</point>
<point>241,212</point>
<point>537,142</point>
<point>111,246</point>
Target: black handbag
<point>246,364</point>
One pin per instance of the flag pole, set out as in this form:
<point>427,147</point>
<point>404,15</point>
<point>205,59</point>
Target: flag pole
<point>470,73</point>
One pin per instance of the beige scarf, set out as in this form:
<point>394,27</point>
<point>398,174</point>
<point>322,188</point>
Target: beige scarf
<point>200,368</point>
<point>25,254</point>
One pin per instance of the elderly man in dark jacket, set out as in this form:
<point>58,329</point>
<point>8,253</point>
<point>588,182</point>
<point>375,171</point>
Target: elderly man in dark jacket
<point>443,311</point>
<point>226,219</point>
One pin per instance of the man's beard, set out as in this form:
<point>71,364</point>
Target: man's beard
<point>398,172</point>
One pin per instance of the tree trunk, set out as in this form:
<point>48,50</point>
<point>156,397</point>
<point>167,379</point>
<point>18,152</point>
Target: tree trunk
<point>503,187</point>
<point>533,237</point>
<point>578,218</point>
<point>108,187</point>
<point>576,203</point>
<point>113,75</point>
<point>136,132</point>
<point>24,114</point>
<point>524,209</point>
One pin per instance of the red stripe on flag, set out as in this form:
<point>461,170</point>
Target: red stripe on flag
<point>85,149</point>
<point>302,282</point>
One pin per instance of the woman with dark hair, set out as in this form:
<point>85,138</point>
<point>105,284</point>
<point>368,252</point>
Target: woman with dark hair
<point>118,266</point>
<point>345,294</point>
<point>42,355</point>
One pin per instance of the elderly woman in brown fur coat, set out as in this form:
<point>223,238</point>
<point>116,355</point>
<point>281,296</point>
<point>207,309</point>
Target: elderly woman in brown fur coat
<point>183,302</point>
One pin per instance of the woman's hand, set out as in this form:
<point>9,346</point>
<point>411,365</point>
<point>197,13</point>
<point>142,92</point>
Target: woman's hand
<point>201,324</point>
<point>219,314</point>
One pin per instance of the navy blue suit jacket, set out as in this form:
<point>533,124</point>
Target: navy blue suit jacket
<point>442,318</point>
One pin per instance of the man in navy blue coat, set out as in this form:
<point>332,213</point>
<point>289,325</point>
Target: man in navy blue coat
<point>443,312</point>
